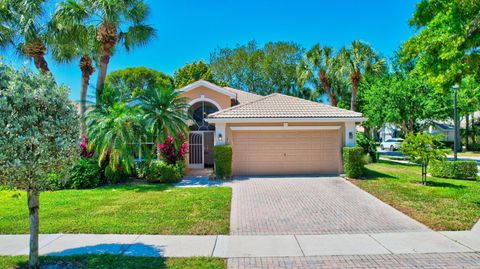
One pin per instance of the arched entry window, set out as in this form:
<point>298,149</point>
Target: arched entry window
<point>199,112</point>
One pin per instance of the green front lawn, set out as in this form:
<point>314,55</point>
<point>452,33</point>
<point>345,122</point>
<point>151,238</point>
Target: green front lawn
<point>445,204</point>
<point>124,209</point>
<point>114,261</point>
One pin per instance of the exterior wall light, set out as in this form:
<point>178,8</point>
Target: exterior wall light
<point>220,137</point>
<point>350,135</point>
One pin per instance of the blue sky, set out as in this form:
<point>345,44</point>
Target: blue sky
<point>190,30</point>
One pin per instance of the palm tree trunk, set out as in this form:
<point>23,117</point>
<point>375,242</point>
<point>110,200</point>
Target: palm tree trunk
<point>33,207</point>
<point>353,101</point>
<point>102,74</point>
<point>86,66</point>
<point>326,86</point>
<point>41,64</point>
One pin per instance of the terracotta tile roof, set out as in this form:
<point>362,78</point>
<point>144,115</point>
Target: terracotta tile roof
<point>243,96</point>
<point>283,106</point>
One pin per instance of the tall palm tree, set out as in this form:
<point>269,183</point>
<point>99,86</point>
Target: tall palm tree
<point>321,62</point>
<point>23,28</point>
<point>75,43</point>
<point>116,21</point>
<point>165,113</point>
<point>356,61</point>
<point>112,131</point>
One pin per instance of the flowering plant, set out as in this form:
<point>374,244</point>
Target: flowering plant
<point>173,152</point>
<point>84,152</point>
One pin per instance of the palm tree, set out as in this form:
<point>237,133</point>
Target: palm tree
<point>356,61</point>
<point>22,28</point>
<point>75,43</point>
<point>165,113</point>
<point>116,21</point>
<point>319,61</point>
<point>112,131</point>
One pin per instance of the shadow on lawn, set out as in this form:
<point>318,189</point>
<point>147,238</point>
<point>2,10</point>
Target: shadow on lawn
<point>444,185</point>
<point>104,256</point>
<point>374,175</point>
<point>138,187</point>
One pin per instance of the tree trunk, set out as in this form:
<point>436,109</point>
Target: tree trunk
<point>33,207</point>
<point>41,63</point>
<point>474,130</point>
<point>353,102</point>
<point>86,66</point>
<point>355,78</point>
<point>102,74</point>
<point>467,133</point>
<point>326,86</point>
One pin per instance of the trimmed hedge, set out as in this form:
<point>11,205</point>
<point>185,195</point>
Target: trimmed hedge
<point>223,161</point>
<point>353,161</point>
<point>454,169</point>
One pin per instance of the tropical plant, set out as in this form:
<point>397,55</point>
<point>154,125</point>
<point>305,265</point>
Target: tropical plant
<point>38,130</point>
<point>75,42</point>
<point>165,113</point>
<point>112,132</point>
<point>173,151</point>
<point>357,61</point>
<point>23,28</point>
<point>318,67</point>
<point>422,148</point>
<point>116,21</point>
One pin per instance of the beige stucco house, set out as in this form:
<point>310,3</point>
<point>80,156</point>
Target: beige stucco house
<point>269,135</point>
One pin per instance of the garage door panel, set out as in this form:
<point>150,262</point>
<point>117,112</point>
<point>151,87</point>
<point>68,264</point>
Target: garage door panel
<point>286,152</point>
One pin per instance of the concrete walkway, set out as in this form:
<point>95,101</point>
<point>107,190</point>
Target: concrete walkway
<point>225,246</point>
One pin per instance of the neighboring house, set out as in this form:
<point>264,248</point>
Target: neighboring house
<point>388,131</point>
<point>269,135</point>
<point>447,131</point>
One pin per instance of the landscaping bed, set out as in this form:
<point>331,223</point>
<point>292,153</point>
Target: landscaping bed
<point>122,209</point>
<point>114,261</point>
<point>444,204</point>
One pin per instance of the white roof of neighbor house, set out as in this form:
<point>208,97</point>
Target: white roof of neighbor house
<point>243,96</point>
<point>283,106</point>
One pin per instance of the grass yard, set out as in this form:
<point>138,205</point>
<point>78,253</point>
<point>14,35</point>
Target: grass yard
<point>114,261</point>
<point>123,209</point>
<point>445,204</point>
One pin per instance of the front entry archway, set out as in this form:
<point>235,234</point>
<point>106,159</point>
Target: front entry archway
<point>201,137</point>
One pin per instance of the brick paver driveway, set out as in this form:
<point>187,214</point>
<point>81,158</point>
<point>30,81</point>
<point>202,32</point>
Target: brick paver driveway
<point>316,205</point>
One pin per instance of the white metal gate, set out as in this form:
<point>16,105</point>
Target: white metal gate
<point>195,153</point>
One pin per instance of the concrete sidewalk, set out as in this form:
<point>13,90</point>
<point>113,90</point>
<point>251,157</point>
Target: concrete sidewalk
<point>225,246</point>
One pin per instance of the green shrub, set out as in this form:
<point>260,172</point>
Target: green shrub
<point>55,182</point>
<point>171,173</point>
<point>454,169</point>
<point>353,161</point>
<point>223,161</point>
<point>85,174</point>
<point>474,147</point>
<point>141,169</point>
<point>115,176</point>
<point>368,146</point>
<point>153,170</point>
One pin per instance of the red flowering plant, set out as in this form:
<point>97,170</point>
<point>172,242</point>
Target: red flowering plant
<point>173,151</point>
<point>84,151</point>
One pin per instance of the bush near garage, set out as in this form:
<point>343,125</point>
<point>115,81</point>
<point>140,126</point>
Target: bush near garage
<point>223,161</point>
<point>454,169</point>
<point>353,161</point>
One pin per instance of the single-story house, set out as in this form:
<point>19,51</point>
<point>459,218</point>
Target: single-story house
<point>447,131</point>
<point>388,131</point>
<point>269,135</point>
